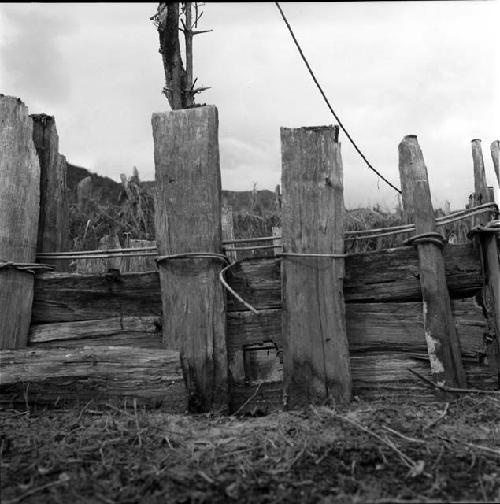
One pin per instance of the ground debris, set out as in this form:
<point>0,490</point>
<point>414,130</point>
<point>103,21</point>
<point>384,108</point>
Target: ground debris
<point>383,451</point>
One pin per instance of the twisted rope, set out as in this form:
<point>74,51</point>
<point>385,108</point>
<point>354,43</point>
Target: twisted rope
<point>492,227</point>
<point>232,291</point>
<point>430,237</point>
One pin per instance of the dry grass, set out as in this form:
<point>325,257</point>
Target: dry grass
<point>368,452</point>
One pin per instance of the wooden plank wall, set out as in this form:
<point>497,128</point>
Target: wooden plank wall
<point>383,310</point>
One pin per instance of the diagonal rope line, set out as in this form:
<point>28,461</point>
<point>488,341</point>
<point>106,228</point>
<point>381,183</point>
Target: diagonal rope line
<point>328,103</point>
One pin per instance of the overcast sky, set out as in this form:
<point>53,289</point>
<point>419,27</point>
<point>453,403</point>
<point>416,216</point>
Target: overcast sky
<point>388,68</point>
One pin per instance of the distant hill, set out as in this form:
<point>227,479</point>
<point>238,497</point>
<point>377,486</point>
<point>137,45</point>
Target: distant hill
<point>104,189</point>
<point>107,191</point>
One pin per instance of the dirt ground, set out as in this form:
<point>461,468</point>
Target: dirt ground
<point>382,452</point>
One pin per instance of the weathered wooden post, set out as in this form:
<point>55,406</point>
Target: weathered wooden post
<point>480,184</point>
<point>486,240</point>
<point>276,233</point>
<point>138,263</point>
<point>316,353</point>
<point>228,230</point>
<point>84,193</point>
<point>101,264</point>
<point>188,220</point>
<point>53,227</point>
<point>440,334</point>
<point>19,208</point>
<point>495,154</point>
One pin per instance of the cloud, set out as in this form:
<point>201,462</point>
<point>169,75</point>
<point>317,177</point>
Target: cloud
<point>388,68</point>
<point>33,64</point>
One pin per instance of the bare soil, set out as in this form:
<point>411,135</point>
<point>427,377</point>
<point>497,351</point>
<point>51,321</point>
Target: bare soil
<point>384,451</point>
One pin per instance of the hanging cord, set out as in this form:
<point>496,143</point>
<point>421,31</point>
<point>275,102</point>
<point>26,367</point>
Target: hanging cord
<point>328,103</point>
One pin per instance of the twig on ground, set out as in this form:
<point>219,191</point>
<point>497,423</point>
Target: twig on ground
<point>438,458</point>
<point>122,411</point>
<point>406,460</point>
<point>248,400</point>
<point>206,477</point>
<point>402,436</point>
<point>483,448</point>
<point>83,411</point>
<point>104,499</point>
<point>33,491</point>
<point>438,419</point>
<point>137,423</point>
<point>445,388</point>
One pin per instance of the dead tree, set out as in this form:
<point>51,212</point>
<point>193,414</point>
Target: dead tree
<point>179,85</point>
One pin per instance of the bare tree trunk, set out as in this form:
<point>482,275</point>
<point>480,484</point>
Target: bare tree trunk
<point>175,75</point>
<point>188,35</point>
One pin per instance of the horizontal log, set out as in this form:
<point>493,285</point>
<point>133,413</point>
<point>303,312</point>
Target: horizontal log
<point>247,328</point>
<point>387,275</point>
<point>120,331</point>
<point>370,327</point>
<point>46,377</point>
<point>63,297</point>
<point>375,376</point>
<point>384,275</point>
<point>399,327</point>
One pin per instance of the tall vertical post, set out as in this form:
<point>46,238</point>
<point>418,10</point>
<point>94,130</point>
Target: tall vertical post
<point>487,242</point>
<point>101,265</point>
<point>19,208</point>
<point>228,230</point>
<point>495,154</point>
<point>188,220</point>
<point>480,184</point>
<point>440,334</point>
<point>277,246</point>
<point>53,228</point>
<point>316,352</point>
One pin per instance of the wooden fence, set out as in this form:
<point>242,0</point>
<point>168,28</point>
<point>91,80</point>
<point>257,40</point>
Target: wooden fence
<point>307,325</point>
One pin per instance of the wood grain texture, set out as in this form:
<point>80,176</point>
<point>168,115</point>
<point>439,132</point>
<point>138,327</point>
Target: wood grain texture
<point>490,298</point>
<point>117,331</point>
<point>188,219</point>
<point>384,275</point>
<point>388,275</point>
<point>316,354</point>
<point>101,265</point>
<point>70,297</point>
<point>53,228</point>
<point>228,230</point>
<point>371,327</point>
<point>480,183</point>
<point>139,263</point>
<point>439,328</point>
<point>45,377</point>
<point>394,274</point>
<point>495,155</point>
<point>375,375</point>
<point>19,208</point>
